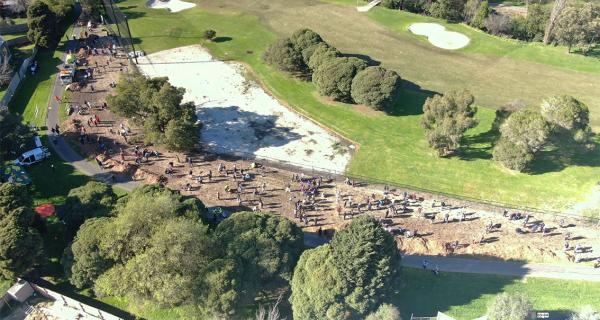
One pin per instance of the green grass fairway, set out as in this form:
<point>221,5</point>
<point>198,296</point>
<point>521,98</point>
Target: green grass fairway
<point>466,296</point>
<point>392,148</point>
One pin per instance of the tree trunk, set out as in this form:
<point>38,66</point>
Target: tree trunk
<point>559,5</point>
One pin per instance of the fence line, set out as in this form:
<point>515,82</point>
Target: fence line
<point>438,195</point>
<point>16,80</point>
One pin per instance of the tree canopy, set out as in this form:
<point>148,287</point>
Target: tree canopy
<point>41,21</point>
<point>376,87</point>
<point>94,199</point>
<point>334,77</point>
<point>509,307</point>
<point>156,248</point>
<point>566,112</point>
<point>283,55</point>
<point>578,24</point>
<point>156,106</point>
<point>385,312</point>
<point>20,243</point>
<point>266,248</point>
<point>446,118</point>
<point>451,10</point>
<point>322,52</point>
<point>15,136</point>
<point>305,42</point>
<point>349,276</point>
<point>526,128</point>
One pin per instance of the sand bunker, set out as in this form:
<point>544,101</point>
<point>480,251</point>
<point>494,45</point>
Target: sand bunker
<point>439,36</point>
<point>239,116</point>
<point>171,5</point>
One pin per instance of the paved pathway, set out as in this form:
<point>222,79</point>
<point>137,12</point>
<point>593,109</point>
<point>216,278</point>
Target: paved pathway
<point>67,153</point>
<point>445,264</point>
<point>464,265</point>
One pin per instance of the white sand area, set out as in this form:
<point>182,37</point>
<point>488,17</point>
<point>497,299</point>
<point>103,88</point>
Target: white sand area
<point>171,5</point>
<point>439,36</point>
<point>239,117</point>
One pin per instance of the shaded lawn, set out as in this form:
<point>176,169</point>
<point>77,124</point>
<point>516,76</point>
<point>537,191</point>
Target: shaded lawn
<point>466,296</point>
<point>392,148</point>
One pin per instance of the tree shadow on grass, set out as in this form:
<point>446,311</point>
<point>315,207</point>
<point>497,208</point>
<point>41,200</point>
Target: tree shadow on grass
<point>411,100</point>
<point>421,293</point>
<point>478,146</point>
<point>563,154</point>
<point>222,39</point>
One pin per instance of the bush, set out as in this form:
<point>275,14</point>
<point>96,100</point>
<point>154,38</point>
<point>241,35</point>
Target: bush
<point>482,13</point>
<point>446,118</point>
<point>385,312</point>
<point>156,105</point>
<point>451,10</point>
<point>305,42</point>
<point>376,87</point>
<point>94,199</point>
<point>322,53</point>
<point>509,307</point>
<point>526,128</point>
<point>512,156</point>
<point>497,24</point>
<point>334,77</point>
<point>342,280</point>
<point>181,135</point>
<point>209,34</point>
<point>391,4</point>
<point>283,55</point>
<point>566,112</point>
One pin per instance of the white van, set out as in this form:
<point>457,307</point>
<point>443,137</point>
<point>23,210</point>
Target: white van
<point>33,156</point>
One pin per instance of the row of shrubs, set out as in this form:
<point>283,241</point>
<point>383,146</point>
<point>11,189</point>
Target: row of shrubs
<point>347,79</point>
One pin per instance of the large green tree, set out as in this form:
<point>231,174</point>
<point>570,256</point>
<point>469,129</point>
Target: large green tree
<point>15,136</point>
<point>83,260</point>
<point>579,25</point>
<point>567,114</point>
<point>446,118</point>
<point>283,55</point>
<point>94,199</point>
<point>348,277</point>
<point>334,77</point>
<point>20,244</point>
<point>305,42</point>
<point>509,307</point>
<point>168,271</point>
<point>265,246</point>
<point>367,257</point>
<point>20,248</point>
<point>322,52</point>
<point>523,134</point>
<point>376,87</point>
<point>41,21</point>
<point>156,105</point>
<point>318,287</point>
<point>451,10</point>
